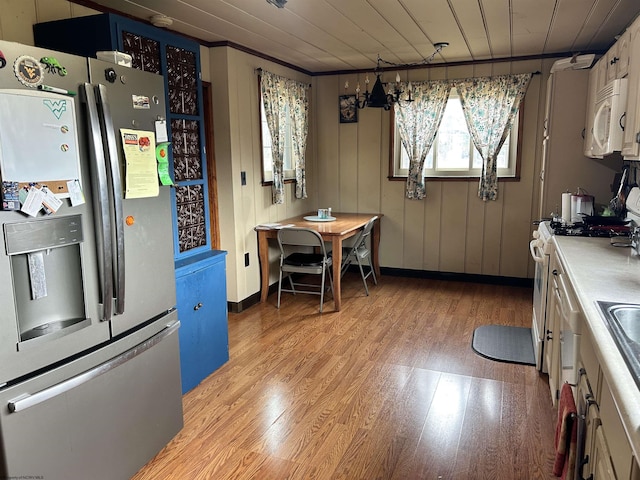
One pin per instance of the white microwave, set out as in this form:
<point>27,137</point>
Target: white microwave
<point>608,126</point>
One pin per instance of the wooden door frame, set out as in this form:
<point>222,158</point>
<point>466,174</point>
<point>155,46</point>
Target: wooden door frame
<point>212,179</point>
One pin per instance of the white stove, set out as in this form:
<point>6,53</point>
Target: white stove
<point>541,248</point>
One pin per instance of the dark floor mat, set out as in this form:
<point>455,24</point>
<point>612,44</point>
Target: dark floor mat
<point>504,343</point>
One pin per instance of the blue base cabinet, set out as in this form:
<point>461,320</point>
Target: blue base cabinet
<point>201,288</point>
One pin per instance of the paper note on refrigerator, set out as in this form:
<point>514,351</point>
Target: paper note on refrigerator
<point>141,175</point>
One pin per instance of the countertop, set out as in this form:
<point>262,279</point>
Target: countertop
<point>600,271</point>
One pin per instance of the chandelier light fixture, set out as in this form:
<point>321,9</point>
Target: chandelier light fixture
<point>378,98</point>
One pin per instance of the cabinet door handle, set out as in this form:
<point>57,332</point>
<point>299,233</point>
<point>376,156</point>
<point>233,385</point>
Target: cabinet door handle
<point>549,336</point>
<point>614,60</point>
<point>198,306</point>
<point>555,272</point>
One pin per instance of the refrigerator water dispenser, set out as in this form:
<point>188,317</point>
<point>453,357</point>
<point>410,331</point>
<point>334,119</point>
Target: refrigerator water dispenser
<point>46,268</point>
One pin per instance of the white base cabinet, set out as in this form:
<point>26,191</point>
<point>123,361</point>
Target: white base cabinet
<point>604,451</point>
<point>601,458</point>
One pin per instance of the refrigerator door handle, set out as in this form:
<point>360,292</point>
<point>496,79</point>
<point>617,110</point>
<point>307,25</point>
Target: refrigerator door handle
<point>116,192</point>
<point>100,200</point>
<point>29,400</point>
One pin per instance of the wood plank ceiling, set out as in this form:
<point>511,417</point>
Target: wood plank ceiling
<point>342,35</point>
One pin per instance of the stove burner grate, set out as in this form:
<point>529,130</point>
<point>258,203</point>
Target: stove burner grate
<point>584,230</point>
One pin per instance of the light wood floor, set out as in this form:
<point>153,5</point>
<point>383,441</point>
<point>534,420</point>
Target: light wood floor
<point>388,388</point>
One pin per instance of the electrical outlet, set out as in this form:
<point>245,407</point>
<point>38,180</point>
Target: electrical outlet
<point>246,259</point>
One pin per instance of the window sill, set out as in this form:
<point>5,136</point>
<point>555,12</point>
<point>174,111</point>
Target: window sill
<point>455,179</point>
<point>268,183</point>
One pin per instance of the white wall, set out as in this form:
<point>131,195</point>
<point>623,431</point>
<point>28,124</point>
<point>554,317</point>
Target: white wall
<point>451,230</point>
<point>237,149</point>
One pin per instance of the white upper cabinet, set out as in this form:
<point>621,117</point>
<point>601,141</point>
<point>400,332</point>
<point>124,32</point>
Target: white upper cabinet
<point>630,145</point>
<point>591,108</point>
<point>622,64</point>
<point>617,58</point>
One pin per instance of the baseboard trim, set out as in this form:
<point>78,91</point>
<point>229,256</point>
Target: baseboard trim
<point>458,277</point>
<point>238,307</point>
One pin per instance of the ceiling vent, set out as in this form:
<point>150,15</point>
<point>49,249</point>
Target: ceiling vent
<point>277,3</point>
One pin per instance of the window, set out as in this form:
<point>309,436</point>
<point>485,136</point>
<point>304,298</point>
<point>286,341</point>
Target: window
<point>267,158</point>
<point>453,153</point>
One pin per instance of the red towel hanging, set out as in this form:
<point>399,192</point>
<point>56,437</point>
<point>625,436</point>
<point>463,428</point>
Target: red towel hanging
<point>566,435</point>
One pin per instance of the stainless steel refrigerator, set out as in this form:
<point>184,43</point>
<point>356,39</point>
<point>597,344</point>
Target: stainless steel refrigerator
<point>89,355</point>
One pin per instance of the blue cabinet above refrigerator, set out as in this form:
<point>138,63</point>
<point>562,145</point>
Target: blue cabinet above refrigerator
<point>178,59</point>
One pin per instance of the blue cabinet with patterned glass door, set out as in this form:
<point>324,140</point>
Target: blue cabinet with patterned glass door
<point>178,60</point>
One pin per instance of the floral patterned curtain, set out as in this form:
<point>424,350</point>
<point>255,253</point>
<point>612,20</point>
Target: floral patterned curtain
<point>280,94</point>
<point>490,105</point>
<point>274,102</point>
<point>418,123</point>
<point>298,98</point>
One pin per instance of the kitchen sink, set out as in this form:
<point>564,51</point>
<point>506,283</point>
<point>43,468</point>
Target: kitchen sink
<point>623,321</point>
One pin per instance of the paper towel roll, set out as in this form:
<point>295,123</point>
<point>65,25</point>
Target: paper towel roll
<point>566,207</point>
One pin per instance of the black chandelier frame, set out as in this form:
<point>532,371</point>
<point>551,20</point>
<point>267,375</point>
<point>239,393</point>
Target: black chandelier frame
<point>378,98</point>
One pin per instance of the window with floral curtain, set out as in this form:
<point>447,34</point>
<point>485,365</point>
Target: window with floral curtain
<point>281,97</point>
<point>490,105</point>
<point>418,123</point>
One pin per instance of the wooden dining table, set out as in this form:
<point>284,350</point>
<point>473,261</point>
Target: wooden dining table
<point>344,226</point>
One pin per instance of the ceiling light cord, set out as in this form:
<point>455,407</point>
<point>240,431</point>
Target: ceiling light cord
<point>425,61</point>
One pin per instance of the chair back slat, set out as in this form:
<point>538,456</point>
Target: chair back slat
<point>361,238</point>
<point>294,261</point>
<point>299,237</point>
<point>357,252</point>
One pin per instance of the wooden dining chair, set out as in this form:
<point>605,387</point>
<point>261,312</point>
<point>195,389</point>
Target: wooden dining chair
<point>302,251</point>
